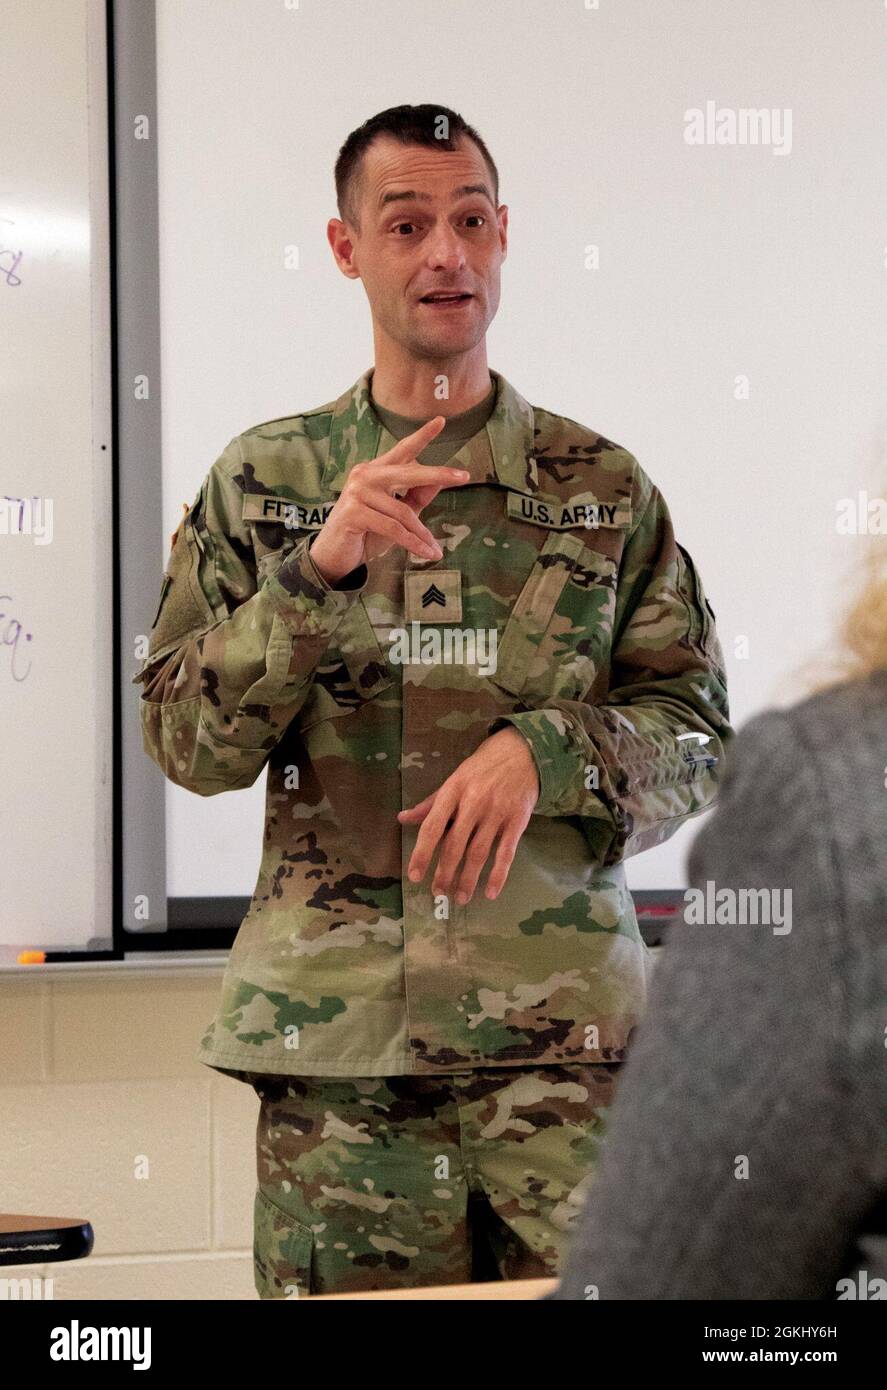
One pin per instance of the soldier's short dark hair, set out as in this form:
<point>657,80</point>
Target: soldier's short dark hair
<point>412,125</point>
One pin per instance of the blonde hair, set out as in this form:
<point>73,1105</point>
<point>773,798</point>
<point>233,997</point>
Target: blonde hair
<point>862,645</point>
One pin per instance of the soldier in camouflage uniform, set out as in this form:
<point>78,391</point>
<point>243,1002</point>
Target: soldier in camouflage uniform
<point>413,1051</point>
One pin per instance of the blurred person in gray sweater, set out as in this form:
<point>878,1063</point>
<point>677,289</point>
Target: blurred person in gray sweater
<point>747,1148</point>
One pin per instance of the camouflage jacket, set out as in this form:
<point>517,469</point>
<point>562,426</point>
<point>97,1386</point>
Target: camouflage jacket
<point>563,606</point>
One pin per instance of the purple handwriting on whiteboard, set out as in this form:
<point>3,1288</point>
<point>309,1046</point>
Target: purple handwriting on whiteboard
<point>11,634</point>
<point>9,262</point>
<point>34,517</point>
<point>9,259</point>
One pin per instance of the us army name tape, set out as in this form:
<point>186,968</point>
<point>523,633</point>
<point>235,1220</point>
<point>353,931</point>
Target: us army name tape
<point>559,516</point>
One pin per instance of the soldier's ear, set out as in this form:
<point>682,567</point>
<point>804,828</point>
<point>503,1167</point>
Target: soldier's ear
<point>341,243</point>
<point>502,216</point>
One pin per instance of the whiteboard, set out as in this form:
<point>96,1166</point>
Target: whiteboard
<point>56,577</point>
<point>714,263</point>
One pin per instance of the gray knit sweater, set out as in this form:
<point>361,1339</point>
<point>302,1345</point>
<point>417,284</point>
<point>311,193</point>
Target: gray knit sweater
<point>747,1155</point>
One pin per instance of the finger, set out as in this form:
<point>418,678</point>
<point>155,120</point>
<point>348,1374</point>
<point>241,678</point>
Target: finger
<point>419,811</point>
<point>452,848</point>
<point>433,827</point>
<point>413,444</point>
<point>419,497</point>
<point>478,852</point>
<point>502,863</point>
<point>400,511</point>
<point>377,523</point>
<point>403,476</point>
<point>407,516</point>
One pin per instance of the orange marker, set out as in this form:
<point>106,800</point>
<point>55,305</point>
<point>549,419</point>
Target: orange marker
<point>65,957</point>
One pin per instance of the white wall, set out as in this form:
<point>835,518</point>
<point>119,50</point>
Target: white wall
<point>715,261</point>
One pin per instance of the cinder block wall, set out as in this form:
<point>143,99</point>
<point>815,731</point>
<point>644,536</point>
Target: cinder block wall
<point>106,1116</point>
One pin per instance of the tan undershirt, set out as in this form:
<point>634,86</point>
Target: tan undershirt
<point>455,432</point>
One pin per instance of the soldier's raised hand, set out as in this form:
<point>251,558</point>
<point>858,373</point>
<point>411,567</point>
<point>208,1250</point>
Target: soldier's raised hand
<point>379,507</point>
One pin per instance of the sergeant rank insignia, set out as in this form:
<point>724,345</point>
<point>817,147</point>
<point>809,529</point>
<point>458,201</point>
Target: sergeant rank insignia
<point>433,596</point>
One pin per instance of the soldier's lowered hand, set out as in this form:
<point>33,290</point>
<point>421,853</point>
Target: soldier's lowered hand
<point>491,794</point>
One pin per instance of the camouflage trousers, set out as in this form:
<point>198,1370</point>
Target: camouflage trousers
<point>403,1181</point>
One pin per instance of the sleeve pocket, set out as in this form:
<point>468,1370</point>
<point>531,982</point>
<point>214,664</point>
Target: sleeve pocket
<point>164,590</point>
<point>184,608</point>
<point>702,632</point>
<point>282,1250</point>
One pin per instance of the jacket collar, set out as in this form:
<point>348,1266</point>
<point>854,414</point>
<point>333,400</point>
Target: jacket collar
<point>501,452</point>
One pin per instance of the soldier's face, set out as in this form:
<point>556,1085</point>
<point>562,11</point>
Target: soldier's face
<point>428,225</point>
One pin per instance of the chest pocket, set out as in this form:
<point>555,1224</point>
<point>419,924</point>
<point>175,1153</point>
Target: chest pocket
<point>556,641</point>
<point>367,664</point>
<point>268,561</point>
<point>354,670</point>
<point>355,667</point>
